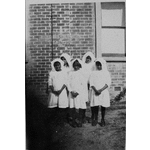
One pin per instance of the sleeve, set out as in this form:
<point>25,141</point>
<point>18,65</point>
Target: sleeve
<point>91,80</point>
<point>50,80</point>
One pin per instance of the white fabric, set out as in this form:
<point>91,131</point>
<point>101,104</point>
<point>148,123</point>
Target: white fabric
<point>88,68</point>
<point>77,83</point>
<point>57,79</point>
<point>98,79</point>
<point>68,59</point>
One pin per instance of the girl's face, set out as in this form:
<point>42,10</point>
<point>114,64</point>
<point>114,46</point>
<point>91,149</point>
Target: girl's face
<point>58,67</point>
<point>63,59</point>
<point>76,67</point>
<point>98,66</point>
<point>88,59</point>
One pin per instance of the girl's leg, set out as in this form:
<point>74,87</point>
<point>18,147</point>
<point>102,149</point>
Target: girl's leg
<point>80,117</point>
<point>96,114</point>
<point>73,116</point>
<point>92,113</point>
<point>83,116</point>
<point>103,109</point>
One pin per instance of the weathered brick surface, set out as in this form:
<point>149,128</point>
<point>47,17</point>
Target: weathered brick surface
<point>60,27</point>
<point>118,75</point>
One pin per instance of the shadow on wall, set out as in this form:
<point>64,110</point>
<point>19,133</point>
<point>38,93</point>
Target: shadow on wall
<point>40,122</point>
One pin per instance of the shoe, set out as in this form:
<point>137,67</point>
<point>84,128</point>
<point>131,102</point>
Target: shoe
<point>102,123</point>
<point>90,120</point>
<point>73,124</point>
<point>96,122</point>
<point>84,120</point>
<point>93,123</point>
<point>79,124</point>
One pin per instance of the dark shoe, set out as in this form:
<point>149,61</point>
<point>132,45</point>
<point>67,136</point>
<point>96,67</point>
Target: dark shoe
<point>79,124</point>
<point>102,123</point>
<point>89,120</point>
<point>93,123</point>
<point>84,120</point>
<point>73,124</point>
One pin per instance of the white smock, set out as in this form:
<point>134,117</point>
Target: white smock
<point>98,79</point>
<point>57,79</point>
<point>68,59</point>
<point>88,68</point>
<point>77,83</point>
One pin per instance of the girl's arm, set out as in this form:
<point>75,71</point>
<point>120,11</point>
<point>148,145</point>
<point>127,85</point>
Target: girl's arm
<point>93,87</point>
<point>102,89</point>
<point>64,86</point>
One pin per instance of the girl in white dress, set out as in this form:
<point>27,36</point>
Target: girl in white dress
<point>99,83</point>
<point>88,66</point>
<point>58,82</point>
<point>77,87</point>
<point>66,58</point>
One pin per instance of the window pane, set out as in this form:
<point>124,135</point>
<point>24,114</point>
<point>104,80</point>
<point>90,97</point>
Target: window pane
<point>113,14</point>
<point>113,41</point>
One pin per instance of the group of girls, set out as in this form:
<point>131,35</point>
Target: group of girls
<point>73,83</point>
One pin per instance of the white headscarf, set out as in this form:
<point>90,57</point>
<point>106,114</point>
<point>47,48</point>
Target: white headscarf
<point>104,68</point>
<point>103,62</point>
<point>67,57</point>
<point>55,60</point>
<point>88,54</point>
<point>79,60</point>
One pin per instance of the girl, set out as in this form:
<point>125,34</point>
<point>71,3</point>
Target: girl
<point>99,82</point>
<point>67,61</point>
<point>88,64</point>
<point>77,86</point>
<point>57,83</point>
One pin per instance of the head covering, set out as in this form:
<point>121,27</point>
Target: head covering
<point>103,62</point>
<point>104,68</point>
<point>57,60</point>
<point>88,54</point>
<point>80,62</point>
<point>67,57</point>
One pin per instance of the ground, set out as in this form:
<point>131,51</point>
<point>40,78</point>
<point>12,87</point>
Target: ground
<point>43,133</point>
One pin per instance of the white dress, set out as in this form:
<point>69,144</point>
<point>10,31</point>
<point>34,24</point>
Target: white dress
<point>98,79</point>
<point>87,70</point>
<point>57,79</point>
<point>77,84</point>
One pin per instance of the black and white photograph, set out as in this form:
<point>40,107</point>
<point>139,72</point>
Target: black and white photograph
<point>75,75</point>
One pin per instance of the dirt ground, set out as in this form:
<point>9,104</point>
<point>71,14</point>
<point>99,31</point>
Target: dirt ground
<point>44,132</point>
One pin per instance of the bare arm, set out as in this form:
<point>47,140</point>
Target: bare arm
<point>102,89</point>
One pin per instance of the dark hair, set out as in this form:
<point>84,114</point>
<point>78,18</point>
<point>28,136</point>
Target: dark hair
<point>88,57</point>
<point>76,63</point>
<point>56,63</point>
<point>98,63</point>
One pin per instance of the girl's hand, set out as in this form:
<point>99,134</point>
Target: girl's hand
<point>74,94</point>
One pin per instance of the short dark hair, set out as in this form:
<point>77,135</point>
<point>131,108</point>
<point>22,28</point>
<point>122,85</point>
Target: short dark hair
<point>56,63</point>
<point>76,63</point>
<point>88,57</point>
<point>98,63</point>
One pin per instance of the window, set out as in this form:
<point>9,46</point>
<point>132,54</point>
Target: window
<point>113,29</point>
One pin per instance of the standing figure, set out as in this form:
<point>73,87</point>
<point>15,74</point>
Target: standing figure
<point>88,66</point>
<point>66,58</point>
<point>57,83</point>
<point>77,87</point>
<point>99,83</point>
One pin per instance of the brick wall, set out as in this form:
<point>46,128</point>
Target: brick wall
<point>57,28</point>
<point>118,75</point>
<point>54,29</point>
